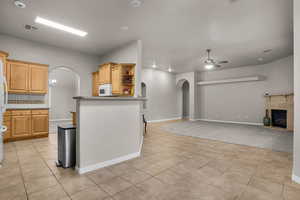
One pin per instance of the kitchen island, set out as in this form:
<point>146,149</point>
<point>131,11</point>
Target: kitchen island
<point>109,131</point>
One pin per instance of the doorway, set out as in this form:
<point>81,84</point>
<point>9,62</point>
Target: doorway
<point>144,93</point>
<point>64,84</point>
<point>185,100</point>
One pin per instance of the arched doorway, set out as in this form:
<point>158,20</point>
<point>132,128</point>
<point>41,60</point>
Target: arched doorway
<point>186,100</point>
<point>144,93</point>
<point>64,84</point>
<point>183,97</point>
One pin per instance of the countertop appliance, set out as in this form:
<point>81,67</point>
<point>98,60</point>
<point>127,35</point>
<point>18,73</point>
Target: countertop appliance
<point>105,90</point>
<point>3,103</point>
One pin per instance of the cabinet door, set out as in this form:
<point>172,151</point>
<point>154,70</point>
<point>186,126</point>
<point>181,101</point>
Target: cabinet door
<point>40,124</point>
<point>18,76</point>
<point>107,74</point>
<point>38,79</point>
<point>21,126</point>
<point>116,75</point>
<point>95,83</point>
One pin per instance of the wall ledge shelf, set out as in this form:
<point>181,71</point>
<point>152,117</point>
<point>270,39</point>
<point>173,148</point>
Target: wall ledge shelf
<point>232,80</point>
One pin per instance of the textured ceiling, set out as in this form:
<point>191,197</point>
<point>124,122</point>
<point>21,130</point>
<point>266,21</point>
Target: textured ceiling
<point>175,32</point>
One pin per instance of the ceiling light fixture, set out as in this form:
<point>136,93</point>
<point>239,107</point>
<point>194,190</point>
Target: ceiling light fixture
<point>59,26</point>
<point>19,4</point>
<point>170,69</point>
<point>135,3</point>
<point>260,59</point>
<point>209,66</point>
<point>154,65</point>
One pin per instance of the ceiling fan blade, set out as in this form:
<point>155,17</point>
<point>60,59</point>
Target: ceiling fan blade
<point>223,62</point>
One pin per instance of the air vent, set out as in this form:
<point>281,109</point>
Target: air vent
<point>30,27</point>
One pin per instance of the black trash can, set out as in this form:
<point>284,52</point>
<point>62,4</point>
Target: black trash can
<point>66,143</point>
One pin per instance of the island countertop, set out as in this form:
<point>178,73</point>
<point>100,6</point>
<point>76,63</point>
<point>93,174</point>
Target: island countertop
<point>110,98</point>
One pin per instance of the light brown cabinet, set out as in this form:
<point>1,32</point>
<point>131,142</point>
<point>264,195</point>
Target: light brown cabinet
<point>26,124</point>
<point>38,80</point>
<point>116,76</point>
<point>95,79</point>
<point>105,73</point>
<point>121,76</point>
<point>26,77</point>
<point>3,57</point>
<point>18,77</point>
<point>40,124</point>
<point>21,126</point>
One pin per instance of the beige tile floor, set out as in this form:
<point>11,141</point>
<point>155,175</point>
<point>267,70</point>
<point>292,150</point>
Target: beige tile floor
<point>171,167</point>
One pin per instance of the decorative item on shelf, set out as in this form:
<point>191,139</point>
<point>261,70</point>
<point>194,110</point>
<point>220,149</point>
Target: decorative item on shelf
<point>126,91</point>
<point>267,120</point>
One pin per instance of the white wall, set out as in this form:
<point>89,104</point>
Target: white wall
<point>161,95</point>
<point>243,102</point>
<point>130,53</point>
<point>83,64</point>
<point>62,94</point>
<point>296,168</point>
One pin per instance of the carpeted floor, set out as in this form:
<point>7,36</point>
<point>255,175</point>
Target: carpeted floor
<point>256,136</point>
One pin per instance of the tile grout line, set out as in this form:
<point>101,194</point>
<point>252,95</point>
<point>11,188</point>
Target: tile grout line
<point>40,155</point>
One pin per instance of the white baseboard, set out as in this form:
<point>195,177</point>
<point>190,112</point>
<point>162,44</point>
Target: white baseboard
<point>164,120</point>
<point>230,122</point>
<point>296,178</point>
<point>107,163</point>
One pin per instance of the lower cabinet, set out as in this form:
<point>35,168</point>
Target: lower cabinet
<point>39,124</point>
<point>21,126</point>
<point>26,124</point>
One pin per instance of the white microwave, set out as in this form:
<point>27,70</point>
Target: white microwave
<point>105,90</point>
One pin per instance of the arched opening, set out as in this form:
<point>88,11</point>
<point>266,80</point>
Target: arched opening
<point>64,84</point>
<point>183,96</point>
<point>144,94</point>
<point>186,100</point>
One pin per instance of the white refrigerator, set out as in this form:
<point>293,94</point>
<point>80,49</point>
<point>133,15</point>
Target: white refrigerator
<point>3,103</point>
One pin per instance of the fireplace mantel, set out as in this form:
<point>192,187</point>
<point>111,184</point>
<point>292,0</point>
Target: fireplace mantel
<point>281,102</point>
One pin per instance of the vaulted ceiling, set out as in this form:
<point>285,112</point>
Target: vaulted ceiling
<point>175,32</point>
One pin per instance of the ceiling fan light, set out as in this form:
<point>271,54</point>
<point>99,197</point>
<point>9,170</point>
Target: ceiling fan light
<point>209,66</point>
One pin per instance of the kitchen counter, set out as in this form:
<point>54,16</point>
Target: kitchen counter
<point>110,98</point>
<point>109,131</point>
<point>26,106</point>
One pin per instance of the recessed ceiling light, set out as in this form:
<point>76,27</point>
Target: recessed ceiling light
<point>154,65</point>
<point>20,4</point>
<point>170,69</point>
<point>60,26</point>
<point>209,66</point>
<point>135,3</point>
<point>260,59</point>
<point>124,28</point>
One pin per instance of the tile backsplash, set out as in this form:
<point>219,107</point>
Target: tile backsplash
<point>26,99</point>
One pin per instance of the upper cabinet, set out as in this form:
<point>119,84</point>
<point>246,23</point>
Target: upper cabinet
<point>95,79</point>
<point>17,77</point>
<point>121,76</point>
<point>38,81</point>
<point>26,77</point>
<point>105,73</point>
<point>3,56</point>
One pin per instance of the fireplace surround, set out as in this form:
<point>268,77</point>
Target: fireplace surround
<point>281,111</point>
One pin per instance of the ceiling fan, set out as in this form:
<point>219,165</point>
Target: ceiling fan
<point>211,63</point>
